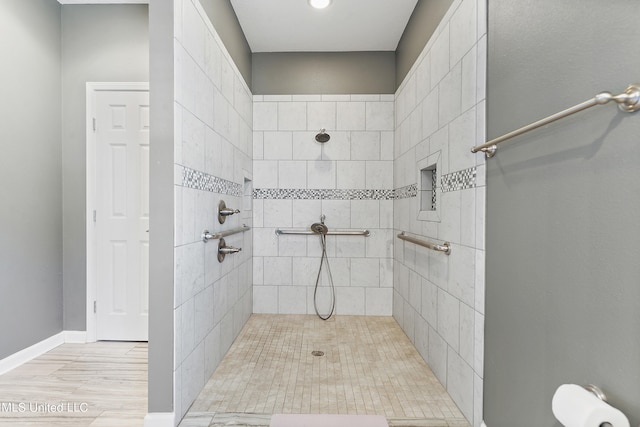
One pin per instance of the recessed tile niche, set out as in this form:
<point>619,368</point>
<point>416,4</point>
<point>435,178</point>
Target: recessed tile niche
<point>429,187</point>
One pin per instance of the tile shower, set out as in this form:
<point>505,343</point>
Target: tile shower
<point>258,153</point>
<point>349,179</point>
<point>212,156</point>
<point>439,300</point>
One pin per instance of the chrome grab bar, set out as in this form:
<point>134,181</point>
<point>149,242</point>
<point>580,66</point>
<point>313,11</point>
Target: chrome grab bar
<point>445,247</point>
<point>628,101</point>
<point>364,233</point>
<point>206,235</point>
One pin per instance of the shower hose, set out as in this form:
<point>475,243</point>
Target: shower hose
<point>324,260</point>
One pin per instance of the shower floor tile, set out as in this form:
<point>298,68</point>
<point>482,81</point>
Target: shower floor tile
<point>368,367</point>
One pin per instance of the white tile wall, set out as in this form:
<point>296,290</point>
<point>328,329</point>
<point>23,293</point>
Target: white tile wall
<point>359,155</point>
<point>214,135</point>
<point>439,300</point>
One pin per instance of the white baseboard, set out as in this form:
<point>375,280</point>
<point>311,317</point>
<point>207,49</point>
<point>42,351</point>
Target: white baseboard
<point>29,353</point>
<point>40,348</point>
<point>483,424</point>
<point>160,419</point>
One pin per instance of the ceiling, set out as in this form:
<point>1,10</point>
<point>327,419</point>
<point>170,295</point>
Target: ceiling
<point>346,25</point>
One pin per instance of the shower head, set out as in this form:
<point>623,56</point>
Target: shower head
<point>319,228</point>
<point>322,136</point>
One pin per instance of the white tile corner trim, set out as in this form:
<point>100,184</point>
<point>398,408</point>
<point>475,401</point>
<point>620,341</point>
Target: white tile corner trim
<point>40,348</point>
<point>160,419</point>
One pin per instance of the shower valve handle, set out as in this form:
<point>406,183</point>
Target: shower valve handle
<point>224,212</point>
<point>227,212</point>
<point>224,250</point>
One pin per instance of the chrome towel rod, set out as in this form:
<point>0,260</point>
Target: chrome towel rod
<point>206,235</point>
<point>628,101</point>
<point>364,233</point>
<point>445,247</point>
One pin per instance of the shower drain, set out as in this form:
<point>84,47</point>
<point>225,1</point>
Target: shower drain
<point>317,353</point>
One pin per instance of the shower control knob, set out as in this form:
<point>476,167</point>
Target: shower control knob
<point>224,250</point>
<point>227,212</point>
<point>224,212</point>
<point>229,250</point>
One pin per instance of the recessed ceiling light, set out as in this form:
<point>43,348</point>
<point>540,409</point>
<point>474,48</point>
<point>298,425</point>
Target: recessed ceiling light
<point>319,4</point>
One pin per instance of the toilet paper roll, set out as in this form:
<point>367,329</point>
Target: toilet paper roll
<point>575,406</point>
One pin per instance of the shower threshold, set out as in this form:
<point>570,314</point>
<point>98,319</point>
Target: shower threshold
<point>212,419</point>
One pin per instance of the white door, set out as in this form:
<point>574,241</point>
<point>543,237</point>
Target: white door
<point>122,215</point>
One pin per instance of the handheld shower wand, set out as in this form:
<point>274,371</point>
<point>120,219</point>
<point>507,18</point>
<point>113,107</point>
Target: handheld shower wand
<point>321,229</point>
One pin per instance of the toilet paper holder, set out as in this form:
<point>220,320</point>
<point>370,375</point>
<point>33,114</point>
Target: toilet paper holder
<point>597,391</point>
<point>573,405</point>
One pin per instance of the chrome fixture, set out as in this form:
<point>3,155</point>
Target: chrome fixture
<point>445,247</point>
<point>224,212</point>
<point>597,391</point>
<point>365,233</point>
<point>323,136</point>
<point>628,101</point>
<point>206,235</point>
<point>319,227</point>
<point>224,250</point>
<point>321,230</point>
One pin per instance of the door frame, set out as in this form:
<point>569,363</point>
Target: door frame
<point>92,89</point>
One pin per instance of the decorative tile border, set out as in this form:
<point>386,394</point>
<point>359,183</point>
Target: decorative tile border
<point>406,191</point>
<point>198,180</point>
<point>454,181</point>
<point>459,180</point>
<point>321,194</point>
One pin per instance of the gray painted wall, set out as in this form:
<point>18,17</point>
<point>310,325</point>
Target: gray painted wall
<point>30,170</point>
<point>562,296</point>
<point>279,73</point>
<point>161,205</point>
<point>226,23</point>
<point>423,22</point>
<point>99,43</point>
<point>323,73</point>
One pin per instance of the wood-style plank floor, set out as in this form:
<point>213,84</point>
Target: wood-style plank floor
<point>101,384</point>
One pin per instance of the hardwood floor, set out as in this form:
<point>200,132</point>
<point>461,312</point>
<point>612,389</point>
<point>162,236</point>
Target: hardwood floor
<point>101,384</point>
